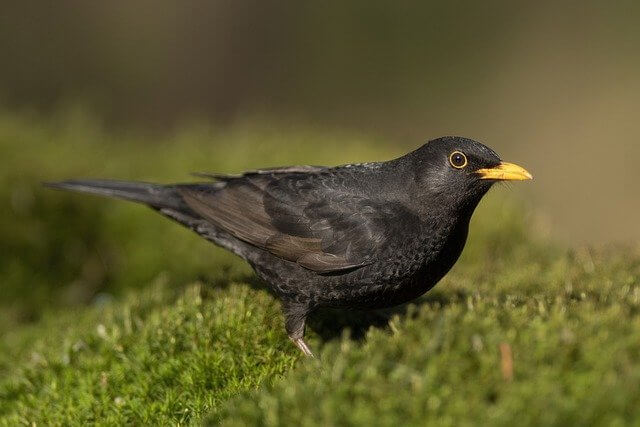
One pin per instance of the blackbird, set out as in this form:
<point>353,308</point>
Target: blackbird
<point>365,236</point>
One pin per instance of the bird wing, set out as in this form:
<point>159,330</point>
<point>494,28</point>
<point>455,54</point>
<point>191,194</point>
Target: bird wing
<point>300,216</point>
<point>268,171</point>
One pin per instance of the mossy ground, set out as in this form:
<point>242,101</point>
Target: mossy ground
<point>112,315</point>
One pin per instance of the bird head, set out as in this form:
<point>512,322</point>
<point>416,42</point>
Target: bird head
<point>457,172</point>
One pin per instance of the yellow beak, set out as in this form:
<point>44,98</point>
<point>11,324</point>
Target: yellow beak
<point>505,172</point>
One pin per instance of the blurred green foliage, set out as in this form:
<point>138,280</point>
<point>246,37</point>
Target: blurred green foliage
<point>152,60</point>
<point>158,61</point>
<point>60,249</point>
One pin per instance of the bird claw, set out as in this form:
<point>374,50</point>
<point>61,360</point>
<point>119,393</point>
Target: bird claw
<point>299,342</point>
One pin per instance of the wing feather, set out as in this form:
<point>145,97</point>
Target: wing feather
<point>297,215</point>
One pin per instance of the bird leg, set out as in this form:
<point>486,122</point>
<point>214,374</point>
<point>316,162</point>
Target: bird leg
<point>294,322</point>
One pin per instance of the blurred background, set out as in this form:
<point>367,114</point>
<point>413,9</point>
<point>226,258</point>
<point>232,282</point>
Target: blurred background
<point>155,89</point>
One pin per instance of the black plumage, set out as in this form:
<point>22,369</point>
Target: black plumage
<point>367,235</point>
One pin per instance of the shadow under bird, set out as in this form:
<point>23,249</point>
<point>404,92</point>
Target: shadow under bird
<point>365,236</point>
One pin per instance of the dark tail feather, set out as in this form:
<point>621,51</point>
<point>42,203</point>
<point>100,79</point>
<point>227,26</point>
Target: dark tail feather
<point>154,195</point>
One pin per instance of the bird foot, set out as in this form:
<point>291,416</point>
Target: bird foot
<point>299,342</point>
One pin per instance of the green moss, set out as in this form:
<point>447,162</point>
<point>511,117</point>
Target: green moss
<point>159,357</point>
<point>112,315</point>
<point>571,322</point>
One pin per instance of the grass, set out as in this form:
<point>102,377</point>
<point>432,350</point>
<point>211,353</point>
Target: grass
<point>112,315</point>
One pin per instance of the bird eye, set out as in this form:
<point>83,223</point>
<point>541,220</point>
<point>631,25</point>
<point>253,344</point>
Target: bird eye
<point>458,160</point>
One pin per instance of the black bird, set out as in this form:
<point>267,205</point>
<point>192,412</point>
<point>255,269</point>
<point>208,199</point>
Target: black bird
<point>364,236</point>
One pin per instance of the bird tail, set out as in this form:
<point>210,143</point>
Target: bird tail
<point>154,195</point>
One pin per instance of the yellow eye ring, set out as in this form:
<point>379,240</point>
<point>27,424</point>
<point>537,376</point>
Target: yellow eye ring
<point>458,160</point>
